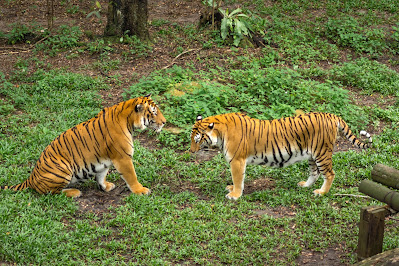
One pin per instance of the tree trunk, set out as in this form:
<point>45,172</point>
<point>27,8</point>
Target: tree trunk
<point>127,17</point>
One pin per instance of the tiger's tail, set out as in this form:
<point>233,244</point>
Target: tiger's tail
<point>18,187</point>
<point>352,138</point>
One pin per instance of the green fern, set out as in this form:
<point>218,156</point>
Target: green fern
<point>234,25</point>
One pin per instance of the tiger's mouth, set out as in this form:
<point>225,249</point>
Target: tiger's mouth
<point>155,126</point>
<point>158,129</point>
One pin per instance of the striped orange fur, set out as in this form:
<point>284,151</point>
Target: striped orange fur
<point>90,148</point>
<point>277,143</point>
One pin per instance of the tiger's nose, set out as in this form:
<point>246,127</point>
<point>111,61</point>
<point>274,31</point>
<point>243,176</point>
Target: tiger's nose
<point>194,147</point>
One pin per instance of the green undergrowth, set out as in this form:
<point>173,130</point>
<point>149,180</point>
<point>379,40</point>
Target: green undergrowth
<point>173,225</point>
<point>34,114</point>
<point>368,75</point>
<point>260,92</point>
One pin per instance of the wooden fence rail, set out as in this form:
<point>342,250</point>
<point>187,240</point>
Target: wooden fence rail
<point>372,219</point>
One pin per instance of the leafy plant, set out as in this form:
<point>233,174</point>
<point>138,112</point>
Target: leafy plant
<point>99,46</point>
<point>158,82</point>
<point>394,44</point>
<point>234,25</point>
<point>106,65</point>
<point>346,31</point>
<point>21,33</point>
<point>96,11</point>
<point>210,3</point>
<point>368,75</point>
<point>137,46</point>
<point>395,33</point>
<point>65,37</point>
<point>73,9</point>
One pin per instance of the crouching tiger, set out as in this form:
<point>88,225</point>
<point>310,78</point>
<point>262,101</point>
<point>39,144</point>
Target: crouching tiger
<point>277,143</point>
<point>88,150</point>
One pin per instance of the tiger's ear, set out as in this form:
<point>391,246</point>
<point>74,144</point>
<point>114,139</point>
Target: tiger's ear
<point>138,108</point>
<point>147,96</point>
<point>199,118</point>
<point>211,125</point>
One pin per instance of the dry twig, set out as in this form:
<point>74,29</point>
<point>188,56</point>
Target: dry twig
<point>183,53</point>
<point>352,195</point>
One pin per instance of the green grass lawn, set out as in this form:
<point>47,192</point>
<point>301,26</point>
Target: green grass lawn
<point>324,56</point>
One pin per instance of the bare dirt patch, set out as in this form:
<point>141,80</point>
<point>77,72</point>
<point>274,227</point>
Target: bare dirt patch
<point>281,212</point>
<point>187,186</point>
<point>94,200</point>
<point>258,185</point>
<point>315,258</point>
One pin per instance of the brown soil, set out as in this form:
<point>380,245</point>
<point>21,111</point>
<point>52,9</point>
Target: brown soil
<point>314,258</point>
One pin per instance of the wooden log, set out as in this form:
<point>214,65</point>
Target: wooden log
<point>371,231</point>
<point>390,257</point>
<point>385,175</point>
<point>380,193</point>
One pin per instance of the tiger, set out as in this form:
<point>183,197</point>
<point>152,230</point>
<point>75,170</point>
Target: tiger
<point>88,149</point>
<point>276,143</point>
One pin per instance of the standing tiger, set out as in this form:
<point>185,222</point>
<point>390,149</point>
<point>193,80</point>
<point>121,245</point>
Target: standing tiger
<point>88,150</point>
<point>277,143</point>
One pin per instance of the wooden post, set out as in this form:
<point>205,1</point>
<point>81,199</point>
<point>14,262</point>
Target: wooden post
<point>371,231</point>
<point>385,175</point>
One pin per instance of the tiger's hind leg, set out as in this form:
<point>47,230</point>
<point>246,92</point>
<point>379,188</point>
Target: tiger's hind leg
<point>314,174</point>
<point>72,192</point>
<point>325,167</point>
<point>51,182</point>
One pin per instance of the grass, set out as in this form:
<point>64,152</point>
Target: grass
<point>317,66</point>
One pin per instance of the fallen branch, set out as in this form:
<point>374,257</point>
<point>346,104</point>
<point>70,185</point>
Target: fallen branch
<point>19,50</point>
<point>183,53</point>
<point>22,49</point>
<point>14,48</point>
<point>42,39</point>
<point>15,52</point>
<point>352,195</point>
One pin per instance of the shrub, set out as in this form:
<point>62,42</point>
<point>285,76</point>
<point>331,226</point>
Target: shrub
<point>234,25</point>
<point>65,37</point>
<point>22,33</point>
<point>368,75</point>
<point>346,31</point>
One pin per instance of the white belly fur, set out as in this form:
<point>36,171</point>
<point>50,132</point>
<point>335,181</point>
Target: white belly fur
<point>270,160</point>
<point>98,167</point>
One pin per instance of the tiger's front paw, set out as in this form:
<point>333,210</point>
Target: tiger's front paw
<point>302,184</point>
<point>230,188</point>
<point>233,196</point>
<point>109,186</point>
<point>141,191</point>
<point>319,192</point>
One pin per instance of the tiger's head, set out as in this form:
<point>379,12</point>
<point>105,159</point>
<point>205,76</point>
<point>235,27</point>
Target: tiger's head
<point>147,114</point>
<point>203,134</point>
